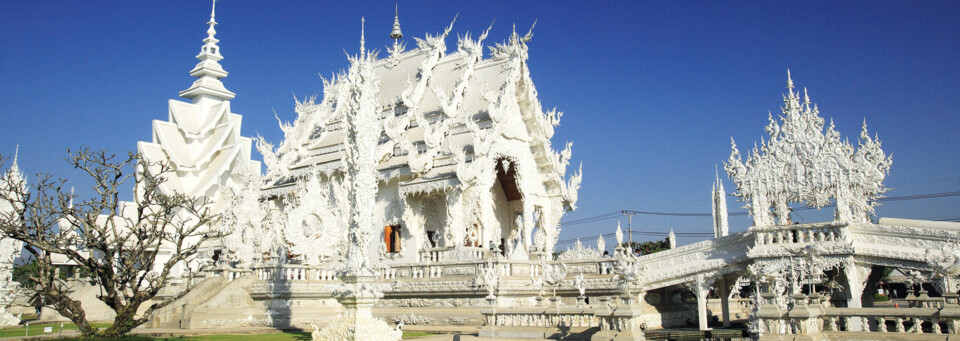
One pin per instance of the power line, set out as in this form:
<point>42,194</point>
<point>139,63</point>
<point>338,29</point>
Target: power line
<point>662,234</point>
<point>615,214</point>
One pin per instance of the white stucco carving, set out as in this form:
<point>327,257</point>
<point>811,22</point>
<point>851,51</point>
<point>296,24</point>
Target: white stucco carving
<point>803,163</point>
<point>489,278</point>
<point>357,99</point>
<point>554,274</point>
<point>945,263</point>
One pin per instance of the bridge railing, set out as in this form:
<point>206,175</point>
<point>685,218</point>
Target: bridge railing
<point>556,317</point>
<point>455,269</point>
<point>809,317</point>
<point>441,254</point>
<point>799,234</point>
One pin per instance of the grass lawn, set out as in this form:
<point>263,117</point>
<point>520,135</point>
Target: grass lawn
<point>289,336</point>
<point>37,329</point>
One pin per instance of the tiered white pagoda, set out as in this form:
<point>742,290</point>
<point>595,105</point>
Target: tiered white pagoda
<point>9,248</point>
<point>201,140</point>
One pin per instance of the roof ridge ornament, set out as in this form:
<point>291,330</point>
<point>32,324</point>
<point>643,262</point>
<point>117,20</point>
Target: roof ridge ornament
<point>363,49</point>
<point>209,71</point>
<point>396,34</point>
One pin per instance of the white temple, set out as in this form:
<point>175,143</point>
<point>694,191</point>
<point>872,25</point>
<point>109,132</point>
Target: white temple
<point>460,165</point>
<point>423,188</point>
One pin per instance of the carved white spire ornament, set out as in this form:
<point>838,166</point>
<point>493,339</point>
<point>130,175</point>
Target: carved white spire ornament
<point>358,97</point>
<point>208,71</point>
<point>672,239</point>
<point>12,182</point>
<point>396,34</point>
<point>803,163</point>
<point>721,225</point>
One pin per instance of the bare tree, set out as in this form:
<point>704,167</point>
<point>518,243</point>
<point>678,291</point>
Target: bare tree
<point>115,241</point>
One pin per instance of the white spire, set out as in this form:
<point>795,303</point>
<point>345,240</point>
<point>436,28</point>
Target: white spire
<point>213,22</point>
<point>13,176</point>
<point>363,49</point>
<point>396,34</point>
<point>721,225</point>
<point>16,153</point>
<point>789,80</point>
<point>209,70</point>
<point>672,239</point>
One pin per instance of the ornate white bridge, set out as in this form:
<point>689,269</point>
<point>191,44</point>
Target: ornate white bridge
<point>446,288</point>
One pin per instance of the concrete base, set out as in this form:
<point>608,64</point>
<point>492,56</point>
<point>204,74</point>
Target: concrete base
<point>862,336</point>
<point>536,333</point>
<point>610,335</point>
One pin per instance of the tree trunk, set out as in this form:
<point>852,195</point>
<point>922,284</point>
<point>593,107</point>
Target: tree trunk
<point>125,321</point>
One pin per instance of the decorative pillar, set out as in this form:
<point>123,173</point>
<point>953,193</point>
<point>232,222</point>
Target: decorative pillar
<point>725,300</point>
<point>413,222</point>
<point>701,287</point>
<point>782,211</point>
<point>856,277</point>
<point>359,96</point>
<point>456,230</point>
<point>528,224</point>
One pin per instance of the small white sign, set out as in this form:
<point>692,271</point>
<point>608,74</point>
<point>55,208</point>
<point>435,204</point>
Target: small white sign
<point>48,329</point>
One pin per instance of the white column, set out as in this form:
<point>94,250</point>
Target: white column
<point>527,224</point>
<point>457,230</point>
<point>701,287</point>
<point>725,301</point>
<point>702,309</point>
<point>856,279</point>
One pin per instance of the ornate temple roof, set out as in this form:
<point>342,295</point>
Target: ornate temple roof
<point>433,105</point>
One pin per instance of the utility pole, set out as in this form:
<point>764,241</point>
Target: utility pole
<point>629,215</point>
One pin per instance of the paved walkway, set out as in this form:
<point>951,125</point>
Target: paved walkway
<point>459,337</point>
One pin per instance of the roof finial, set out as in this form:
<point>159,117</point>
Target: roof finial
<point>213,21</point>
<point>396,34</point>
<point>14,171</point>
<point>790,85</point>
<point>209,70</point>
<point>362,47</point>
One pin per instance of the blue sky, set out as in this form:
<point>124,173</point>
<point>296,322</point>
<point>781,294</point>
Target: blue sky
<point>652,91</point>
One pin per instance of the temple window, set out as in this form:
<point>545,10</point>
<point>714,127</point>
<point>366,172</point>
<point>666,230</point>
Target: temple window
<point>391,236</point>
